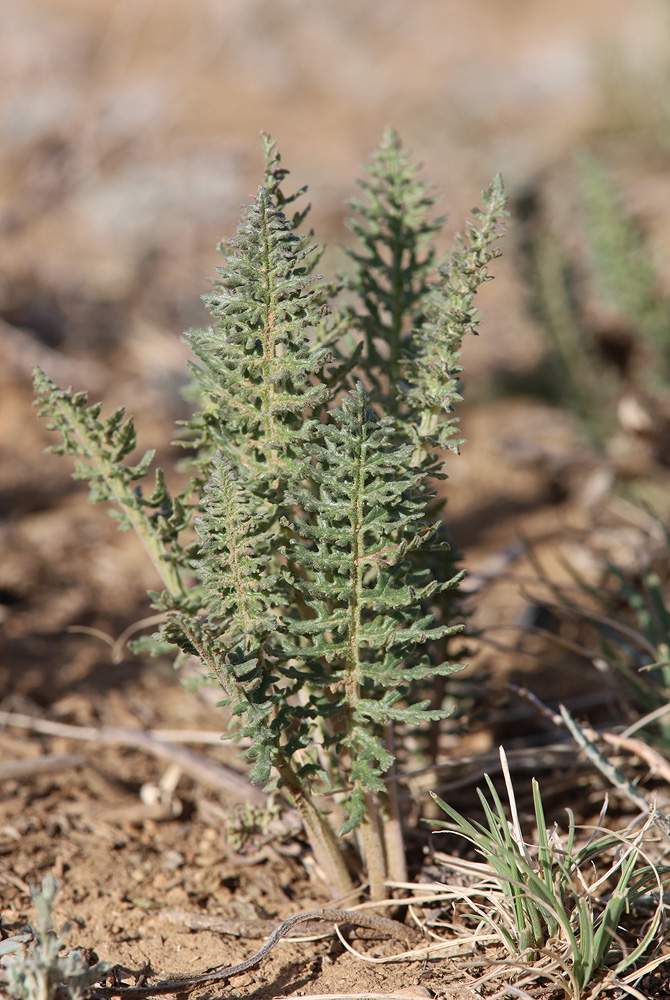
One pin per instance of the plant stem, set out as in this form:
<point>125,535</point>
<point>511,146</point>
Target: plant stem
<point>323,840</point>
<point>394,841</point>
<point>371,835</point>
<point>373,849</point>
<point>397,309</point>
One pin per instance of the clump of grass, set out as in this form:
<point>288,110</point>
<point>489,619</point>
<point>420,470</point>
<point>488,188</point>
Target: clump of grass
<point>558,908</point>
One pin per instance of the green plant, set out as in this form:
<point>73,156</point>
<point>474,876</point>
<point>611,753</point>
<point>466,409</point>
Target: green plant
<point>622,268</point>
<point>37,970</point>
<point>303,563</point>
<point>557,907</point>
<point>597,354</point>
<point>572,375</point>
<point>410,314</point>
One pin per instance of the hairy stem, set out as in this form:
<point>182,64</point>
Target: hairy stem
<point>397,311</point>
<point>394,841</point>
<point>323,840</point>
<point>373,844</point>
<point>269,341</point>
<point>373,849</point>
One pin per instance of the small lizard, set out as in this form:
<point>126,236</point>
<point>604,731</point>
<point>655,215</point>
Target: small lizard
<point>185,985</point>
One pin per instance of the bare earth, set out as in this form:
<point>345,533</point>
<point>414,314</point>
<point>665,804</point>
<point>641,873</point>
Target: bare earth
<point>132,143</point>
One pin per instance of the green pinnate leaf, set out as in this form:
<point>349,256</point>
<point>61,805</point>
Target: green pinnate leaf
<point>257,370</point>
<point>305,563</point>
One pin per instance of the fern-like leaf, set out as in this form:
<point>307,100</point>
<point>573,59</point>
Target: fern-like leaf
<point>391,271</point>
<point>100,447</point>
<point>364,640</point>
<point>258,373</point>
<point>432,351</point>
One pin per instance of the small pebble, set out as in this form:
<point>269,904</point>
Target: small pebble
<point>173,860</point>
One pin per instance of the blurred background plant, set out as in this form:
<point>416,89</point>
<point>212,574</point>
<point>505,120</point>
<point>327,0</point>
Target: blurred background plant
<point>604,310</point>
<point>625,622</point>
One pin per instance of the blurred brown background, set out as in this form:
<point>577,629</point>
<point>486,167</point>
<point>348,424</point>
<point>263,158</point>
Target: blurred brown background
<point>130,134</point>
<point>130,127</point>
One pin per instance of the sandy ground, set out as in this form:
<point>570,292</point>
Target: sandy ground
<point>130,144</point>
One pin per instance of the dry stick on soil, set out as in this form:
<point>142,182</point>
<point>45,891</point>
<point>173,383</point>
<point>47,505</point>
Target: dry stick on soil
<point>197,766</point>
<point>175,985</point>
<point>586,737</point>
<point>117,645</point>
<point>45,764</point>
<point>206,737</point>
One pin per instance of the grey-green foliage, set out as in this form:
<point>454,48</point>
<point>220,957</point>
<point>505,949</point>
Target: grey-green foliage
<point>302,563</point>
<point>594,360</point>
<point>364,639</point>
<point>100,447</point>
<point>623,269</point>
<point>413,308</point>
<point>256,364</point>
<point>37,971</point>
<point>395,260</point>
<point>237,638</point>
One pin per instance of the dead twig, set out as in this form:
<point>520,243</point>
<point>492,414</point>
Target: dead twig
<point>117,645</point>
<point>586,737</point>
<point>357,919</point>
<point>46,764</point>
<point>214,775</point>
<point>656,763</point>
